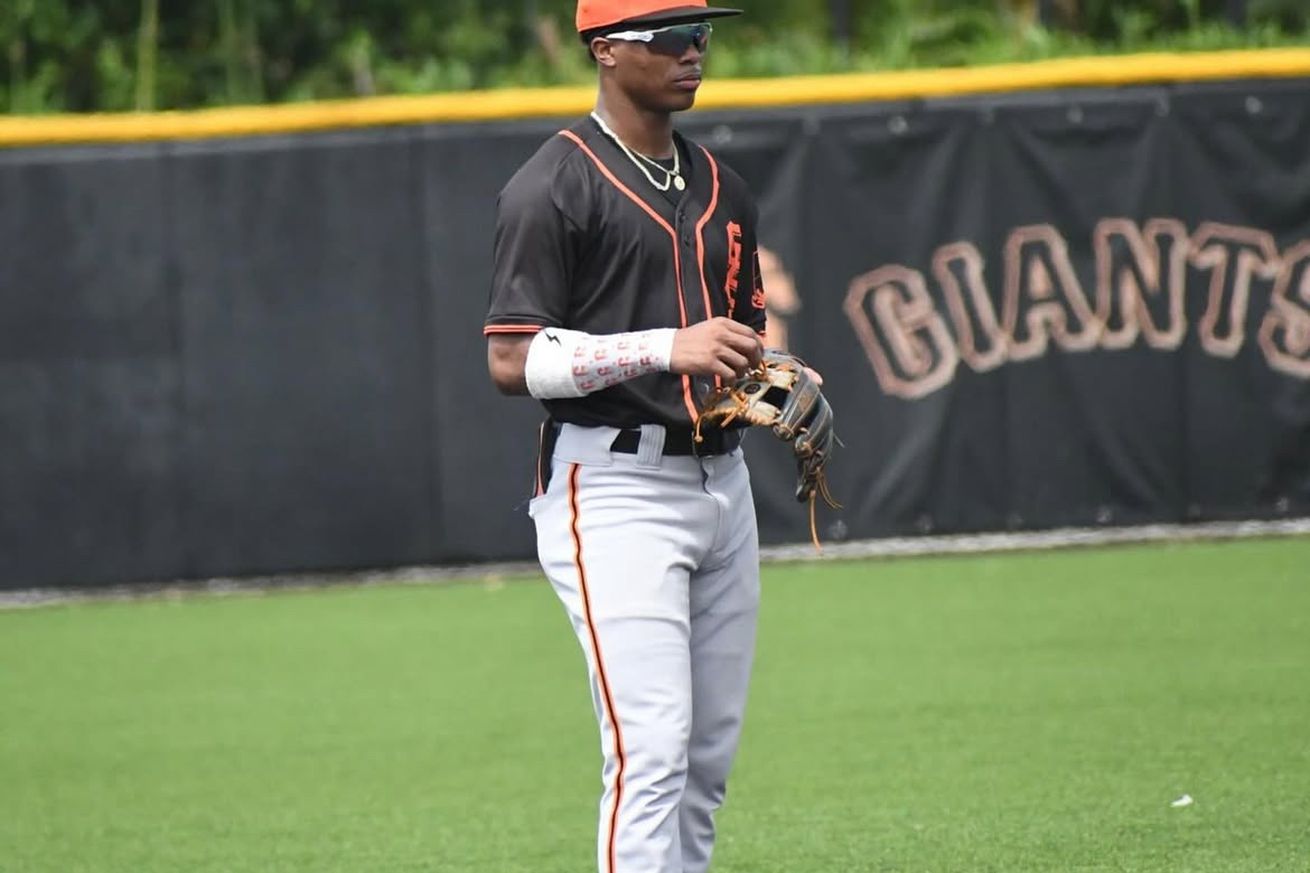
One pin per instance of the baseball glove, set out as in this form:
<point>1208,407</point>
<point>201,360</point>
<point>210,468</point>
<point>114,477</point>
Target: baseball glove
<point>782,395</point>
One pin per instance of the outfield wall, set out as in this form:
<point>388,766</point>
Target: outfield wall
<point>1035,308</point>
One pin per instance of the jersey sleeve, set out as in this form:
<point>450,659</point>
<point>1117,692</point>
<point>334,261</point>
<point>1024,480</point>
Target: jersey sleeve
<point>750,303</point>
<point>534,258</point>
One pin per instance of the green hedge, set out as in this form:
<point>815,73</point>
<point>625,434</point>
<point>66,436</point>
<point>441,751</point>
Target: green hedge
<point>71,55</point>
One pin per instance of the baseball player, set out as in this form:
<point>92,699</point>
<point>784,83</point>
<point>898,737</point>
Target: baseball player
<point>625,286</point>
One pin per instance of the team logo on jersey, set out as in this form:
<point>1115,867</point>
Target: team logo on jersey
<point>758,299</point>
<point>734,265</point>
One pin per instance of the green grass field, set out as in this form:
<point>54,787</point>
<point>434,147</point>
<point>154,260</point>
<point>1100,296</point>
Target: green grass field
<point>1031,712</point>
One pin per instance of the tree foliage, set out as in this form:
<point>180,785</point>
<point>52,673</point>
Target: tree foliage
<point>71,55</point>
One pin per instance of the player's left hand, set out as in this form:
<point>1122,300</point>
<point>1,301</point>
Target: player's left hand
<point>782,394</point>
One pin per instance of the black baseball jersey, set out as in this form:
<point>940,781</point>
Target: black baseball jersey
<point>584,241</point>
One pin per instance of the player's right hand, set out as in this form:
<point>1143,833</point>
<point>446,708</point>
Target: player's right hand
<point>718,347</point>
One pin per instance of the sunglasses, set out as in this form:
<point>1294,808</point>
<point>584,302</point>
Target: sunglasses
<point>672,40</point>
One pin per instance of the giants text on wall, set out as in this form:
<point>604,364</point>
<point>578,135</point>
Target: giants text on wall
<point>1142,276</point>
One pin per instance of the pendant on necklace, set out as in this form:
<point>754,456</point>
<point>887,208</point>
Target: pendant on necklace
<point>679,183</point>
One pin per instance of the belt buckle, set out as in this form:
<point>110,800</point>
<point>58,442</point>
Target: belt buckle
<point>711,445</point>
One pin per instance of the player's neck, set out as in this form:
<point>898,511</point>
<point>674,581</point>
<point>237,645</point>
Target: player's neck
<point>650,133</point>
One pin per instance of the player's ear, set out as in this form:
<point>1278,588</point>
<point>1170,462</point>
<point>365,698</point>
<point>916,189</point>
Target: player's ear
<point>603,51</point>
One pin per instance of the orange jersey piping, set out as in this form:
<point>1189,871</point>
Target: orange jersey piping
<point>700,242</point>
<point>511,328</point>
<point>700,231</point>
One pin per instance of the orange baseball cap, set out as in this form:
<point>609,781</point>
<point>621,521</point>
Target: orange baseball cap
<point>595,14</point>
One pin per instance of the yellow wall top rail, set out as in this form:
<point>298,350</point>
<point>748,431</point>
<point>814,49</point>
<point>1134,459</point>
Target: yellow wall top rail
<point>517,103</point>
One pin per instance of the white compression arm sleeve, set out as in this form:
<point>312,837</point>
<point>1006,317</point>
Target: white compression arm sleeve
<point>569,363</point>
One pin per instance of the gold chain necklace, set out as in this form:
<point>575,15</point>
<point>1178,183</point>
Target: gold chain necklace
<point>671,177</point>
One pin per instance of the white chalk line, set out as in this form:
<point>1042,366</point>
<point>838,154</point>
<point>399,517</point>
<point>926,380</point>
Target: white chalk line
<point>496,574</point>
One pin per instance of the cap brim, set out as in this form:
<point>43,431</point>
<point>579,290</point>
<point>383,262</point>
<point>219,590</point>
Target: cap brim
<point>680,14</point>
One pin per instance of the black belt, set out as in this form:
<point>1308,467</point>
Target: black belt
<point>681,441</point>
